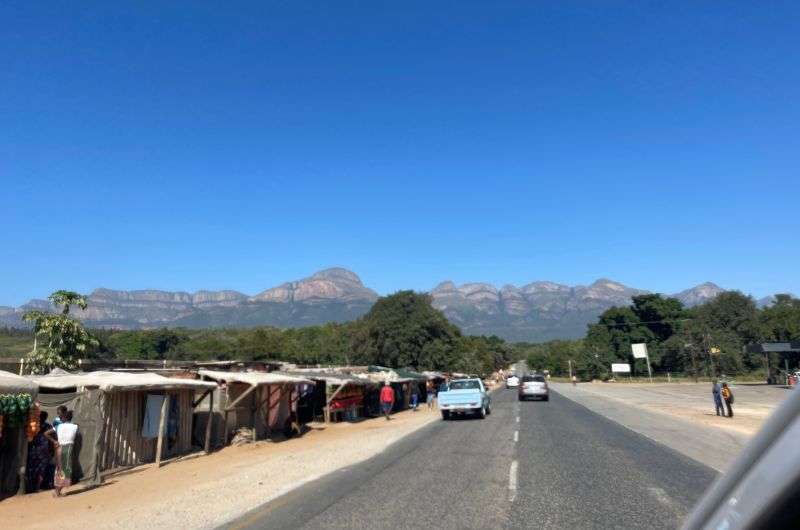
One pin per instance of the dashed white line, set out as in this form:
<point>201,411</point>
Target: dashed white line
<point>516,436</point>
<point>517,419</point>
<point>512,481</point>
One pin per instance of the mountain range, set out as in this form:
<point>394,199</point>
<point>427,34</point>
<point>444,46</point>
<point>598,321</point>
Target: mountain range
<point>533,312</point>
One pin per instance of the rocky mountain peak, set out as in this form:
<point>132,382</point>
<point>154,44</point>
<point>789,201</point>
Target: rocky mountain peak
<point>446,286</point>
<point>337,274</point>
<point>329,284</point>
<point>605,283</point>
<point>699,294</point>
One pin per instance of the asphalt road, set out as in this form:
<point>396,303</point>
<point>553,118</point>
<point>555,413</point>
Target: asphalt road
<point>533,464</point>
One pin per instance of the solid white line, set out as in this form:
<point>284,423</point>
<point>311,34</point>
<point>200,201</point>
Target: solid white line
<point>516,436</point>
<point>512,481</point>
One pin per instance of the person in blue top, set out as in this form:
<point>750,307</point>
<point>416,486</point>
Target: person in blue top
<point>61,413</point>
<point>716,391</point>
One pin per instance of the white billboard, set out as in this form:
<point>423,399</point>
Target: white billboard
<point>639,350</point>
<point>621,368</point>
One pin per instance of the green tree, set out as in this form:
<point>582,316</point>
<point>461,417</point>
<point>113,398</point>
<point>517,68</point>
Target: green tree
<point>66,338</point>
<point>398,328</point>
<point>780,322</point>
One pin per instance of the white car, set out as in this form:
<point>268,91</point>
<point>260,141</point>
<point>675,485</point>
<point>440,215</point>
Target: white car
<point>512,381</point>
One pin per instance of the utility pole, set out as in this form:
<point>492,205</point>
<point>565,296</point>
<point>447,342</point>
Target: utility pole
<point>570,368</point>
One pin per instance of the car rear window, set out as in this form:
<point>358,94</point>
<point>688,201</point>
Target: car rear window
<point>533,378</point>
<point>464,385</point>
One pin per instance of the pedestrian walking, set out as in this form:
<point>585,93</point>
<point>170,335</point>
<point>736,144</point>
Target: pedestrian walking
<point>414,389</point>
<point>387,400</point>
<point>65,456</point>
<point>716,391</point>
<point>727,395</point>
<point>431,394</point>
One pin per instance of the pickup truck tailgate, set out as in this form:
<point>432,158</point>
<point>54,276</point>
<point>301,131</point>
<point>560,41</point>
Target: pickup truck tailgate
<point>460,398</point>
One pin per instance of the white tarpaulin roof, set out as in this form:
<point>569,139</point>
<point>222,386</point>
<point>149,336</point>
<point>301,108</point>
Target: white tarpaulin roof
<point>333,378</point>
<point>382,377</point>
<point>14,384</point>
<point>255,378</point>
<point>60,379</point>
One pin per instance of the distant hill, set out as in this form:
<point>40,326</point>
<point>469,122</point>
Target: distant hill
<point>534,312</point>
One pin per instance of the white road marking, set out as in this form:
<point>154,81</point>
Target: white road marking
<point>516,436</point>
<point>517,419</point>
<point>661,496</point>
<point>512,481</point>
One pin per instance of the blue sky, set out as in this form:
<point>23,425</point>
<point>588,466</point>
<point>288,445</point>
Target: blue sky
<point>238,145</point>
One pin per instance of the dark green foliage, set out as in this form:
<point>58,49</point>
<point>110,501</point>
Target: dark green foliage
<point>405,330</point>
<point>705,340</point>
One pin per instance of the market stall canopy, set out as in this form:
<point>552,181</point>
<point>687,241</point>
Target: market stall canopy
<point>59,379</point>
<point>255,378</point>
<point>15,384</point>
<point>334,378</point>
<point>382,377</point>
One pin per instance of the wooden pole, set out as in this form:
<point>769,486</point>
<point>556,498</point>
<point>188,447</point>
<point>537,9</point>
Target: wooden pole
<point>23,457</point>
<point>161,424</point>
<point>225,416</point>
<point>209,422</point>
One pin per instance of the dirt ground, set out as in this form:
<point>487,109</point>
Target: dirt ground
<point>693,401</point>
<point>206,491</point>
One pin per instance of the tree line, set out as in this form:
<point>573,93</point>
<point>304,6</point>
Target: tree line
<point>706,340</point>
<point>400,330</point>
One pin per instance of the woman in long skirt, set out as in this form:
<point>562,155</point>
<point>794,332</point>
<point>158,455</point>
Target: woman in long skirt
<point>66,432</point>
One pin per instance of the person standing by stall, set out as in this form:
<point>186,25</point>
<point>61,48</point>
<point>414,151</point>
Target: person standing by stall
<point>66,433</point>
<point>40,457</point>
<point>387,400</point>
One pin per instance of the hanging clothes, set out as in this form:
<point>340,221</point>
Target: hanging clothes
<point>152,415</point>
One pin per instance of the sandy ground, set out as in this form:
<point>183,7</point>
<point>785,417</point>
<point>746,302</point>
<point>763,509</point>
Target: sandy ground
<point>206,491</point>
<point>693,402</point>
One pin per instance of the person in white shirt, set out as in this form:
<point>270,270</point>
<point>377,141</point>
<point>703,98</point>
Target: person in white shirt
<point>65,434</point>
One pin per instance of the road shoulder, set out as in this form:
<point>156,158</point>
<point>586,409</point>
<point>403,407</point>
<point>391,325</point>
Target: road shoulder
<point>715,448</point>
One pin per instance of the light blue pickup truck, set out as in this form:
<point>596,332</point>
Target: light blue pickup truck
<point>465,396</point>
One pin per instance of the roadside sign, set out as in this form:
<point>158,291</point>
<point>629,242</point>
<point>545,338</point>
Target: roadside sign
<point>621,368</point>
<point>639,351</point>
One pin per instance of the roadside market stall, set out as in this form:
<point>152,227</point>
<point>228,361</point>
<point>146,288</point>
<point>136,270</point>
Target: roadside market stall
<point>264,401</point>
<point>337,396</point>
<point>403,381</point>
<point>17,406</point>
<point>124,419</point>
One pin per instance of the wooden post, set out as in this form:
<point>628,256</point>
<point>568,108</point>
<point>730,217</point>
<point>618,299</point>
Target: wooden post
<point>161,425</point>
<point>269,412</point>
<point>209,422</point>
<point>225,416</point>
<point>23,463</point>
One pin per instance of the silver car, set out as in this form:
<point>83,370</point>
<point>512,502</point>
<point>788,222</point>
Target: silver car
<point>534,386</point>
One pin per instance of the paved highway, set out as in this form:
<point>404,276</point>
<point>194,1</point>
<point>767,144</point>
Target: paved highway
<point>533,464</point>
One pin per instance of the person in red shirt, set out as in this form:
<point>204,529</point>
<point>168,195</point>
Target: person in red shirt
<point>387,399</point>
